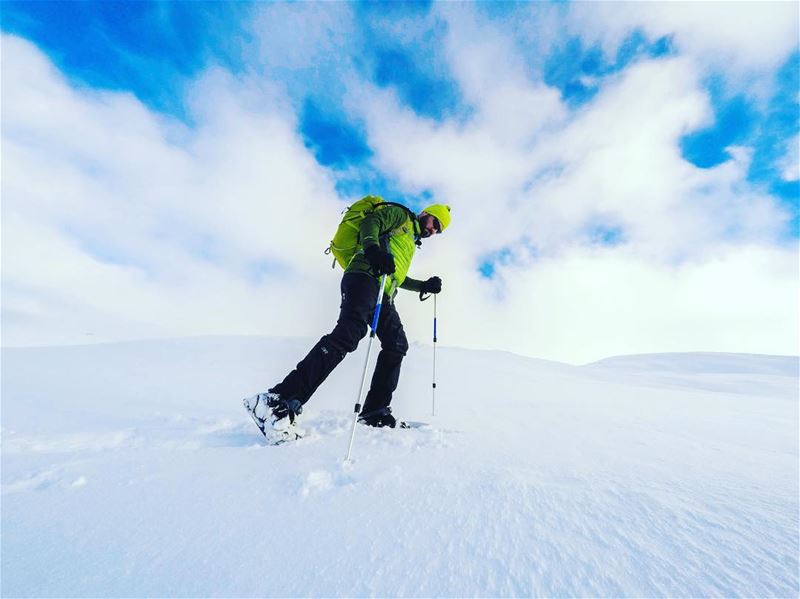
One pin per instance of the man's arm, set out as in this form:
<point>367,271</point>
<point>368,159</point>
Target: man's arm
<point>380,221</point>
<point>432,285</point>
<point>410,284</point>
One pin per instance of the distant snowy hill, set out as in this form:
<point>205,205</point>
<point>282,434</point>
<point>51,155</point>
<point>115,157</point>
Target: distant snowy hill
<point>703,363</point>
<point>132,470</point>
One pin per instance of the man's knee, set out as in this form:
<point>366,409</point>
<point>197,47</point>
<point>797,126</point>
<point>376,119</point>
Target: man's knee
<point>345,338</point>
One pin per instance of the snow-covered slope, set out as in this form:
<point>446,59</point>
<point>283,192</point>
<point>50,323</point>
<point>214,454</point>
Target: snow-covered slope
<point>132,469</point>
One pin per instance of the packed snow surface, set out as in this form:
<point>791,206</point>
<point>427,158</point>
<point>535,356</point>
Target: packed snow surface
<point>133,470</point>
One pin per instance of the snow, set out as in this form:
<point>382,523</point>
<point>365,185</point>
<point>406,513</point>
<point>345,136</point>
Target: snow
<point>132,470</point>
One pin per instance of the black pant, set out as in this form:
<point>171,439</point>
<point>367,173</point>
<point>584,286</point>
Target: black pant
<point>359,293</point>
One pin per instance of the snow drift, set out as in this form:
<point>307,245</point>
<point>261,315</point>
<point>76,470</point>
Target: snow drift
<point>132,470</point>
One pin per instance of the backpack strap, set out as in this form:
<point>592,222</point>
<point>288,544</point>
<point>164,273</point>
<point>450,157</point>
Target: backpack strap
<point>406,208</point>
<point>411,214</point>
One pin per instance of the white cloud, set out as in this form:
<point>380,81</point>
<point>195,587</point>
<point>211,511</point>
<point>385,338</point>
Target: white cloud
<point>589,303</point>
<point>742,37</point>
<point>790,163</point>
<point>617,161</point>
<point>621,158</point>
<point>618,158</point>
<point>306,46</point>
<point>120,223</point>
<point>299,35</point>
<point>116,231</point>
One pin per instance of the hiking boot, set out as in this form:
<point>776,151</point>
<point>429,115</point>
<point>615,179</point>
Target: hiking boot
<point>379,418</point>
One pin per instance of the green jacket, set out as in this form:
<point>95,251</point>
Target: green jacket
<point>394,226</point>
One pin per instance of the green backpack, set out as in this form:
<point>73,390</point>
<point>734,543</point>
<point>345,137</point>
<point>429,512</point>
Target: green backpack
<point>345,242</point>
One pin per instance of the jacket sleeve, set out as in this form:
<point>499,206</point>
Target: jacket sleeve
<point>410,284</point>
<point>379,222</point>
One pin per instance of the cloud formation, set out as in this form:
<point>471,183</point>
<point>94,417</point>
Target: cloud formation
<point>580,230</point>
<point>149,227</point>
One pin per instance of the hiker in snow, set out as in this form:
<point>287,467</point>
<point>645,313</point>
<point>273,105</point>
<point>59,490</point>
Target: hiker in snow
<point>387,237</point>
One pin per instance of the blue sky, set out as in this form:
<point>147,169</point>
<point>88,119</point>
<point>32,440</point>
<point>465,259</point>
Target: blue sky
<point>149,48</point>
<point>514,108</point>
<point>154,49</point>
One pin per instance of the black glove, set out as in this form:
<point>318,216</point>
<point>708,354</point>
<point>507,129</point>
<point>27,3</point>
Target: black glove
<point>432,285</point>
<point>382,262</point>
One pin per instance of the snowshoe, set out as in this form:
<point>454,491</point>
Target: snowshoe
<point>275,417</point>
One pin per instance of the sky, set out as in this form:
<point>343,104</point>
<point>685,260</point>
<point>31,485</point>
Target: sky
<point>624,177</point>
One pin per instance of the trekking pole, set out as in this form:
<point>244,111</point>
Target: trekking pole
<point>433,405</point>
<point>422,297</point>
<point>357,408</point>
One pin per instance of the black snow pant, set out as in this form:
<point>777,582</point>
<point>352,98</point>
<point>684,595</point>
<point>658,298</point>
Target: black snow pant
<point>359,294</point>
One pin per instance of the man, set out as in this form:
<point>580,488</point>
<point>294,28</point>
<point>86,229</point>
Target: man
<point>388,238</point>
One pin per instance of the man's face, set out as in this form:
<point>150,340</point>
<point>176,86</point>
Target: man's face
<point>429,225</point>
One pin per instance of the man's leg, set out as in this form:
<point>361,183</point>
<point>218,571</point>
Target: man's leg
<point>394,346</point>
<point>359,292</point>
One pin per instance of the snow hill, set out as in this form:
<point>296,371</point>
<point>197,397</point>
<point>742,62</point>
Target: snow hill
<point>132,470</point>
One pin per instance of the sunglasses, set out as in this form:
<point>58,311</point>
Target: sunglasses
<point>437,225</point>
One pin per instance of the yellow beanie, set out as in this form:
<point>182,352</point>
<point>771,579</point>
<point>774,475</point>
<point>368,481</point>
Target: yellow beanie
<point>441,212</point>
